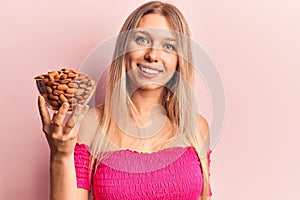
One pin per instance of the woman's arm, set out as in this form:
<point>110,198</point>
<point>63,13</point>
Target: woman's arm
<point>204,142</point>
<point>63,183</point>
<point>206,193</point>
<point>62,139</point>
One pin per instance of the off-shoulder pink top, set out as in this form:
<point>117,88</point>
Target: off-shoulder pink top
<point>172,173</point>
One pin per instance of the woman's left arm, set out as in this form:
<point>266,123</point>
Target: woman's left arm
<point>204,155</point>
<point>206,191</point>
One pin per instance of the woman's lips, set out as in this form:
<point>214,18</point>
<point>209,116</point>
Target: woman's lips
<point>148,71</point>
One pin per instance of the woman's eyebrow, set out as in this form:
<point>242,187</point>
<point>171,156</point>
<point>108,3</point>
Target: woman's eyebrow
<point>168,38</point>
<point>171,39</point>
<point>143,32</point>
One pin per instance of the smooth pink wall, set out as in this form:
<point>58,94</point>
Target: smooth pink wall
<point>254,44</point>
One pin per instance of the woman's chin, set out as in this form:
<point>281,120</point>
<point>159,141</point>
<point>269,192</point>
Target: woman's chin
<point>151,87</point>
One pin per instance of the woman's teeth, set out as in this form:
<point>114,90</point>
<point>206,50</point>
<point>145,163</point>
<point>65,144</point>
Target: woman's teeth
<point>149,71</point>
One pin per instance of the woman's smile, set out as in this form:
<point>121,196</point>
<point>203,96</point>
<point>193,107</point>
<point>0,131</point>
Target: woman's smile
<point>149,71</point>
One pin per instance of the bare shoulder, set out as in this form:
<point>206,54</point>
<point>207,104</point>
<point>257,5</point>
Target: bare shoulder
<point>94,115</point>
<point>202,142</point>
<point>203,127</point>
<point>89,125</point>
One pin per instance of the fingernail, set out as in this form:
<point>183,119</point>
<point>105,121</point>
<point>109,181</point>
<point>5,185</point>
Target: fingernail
<point>65,105</point>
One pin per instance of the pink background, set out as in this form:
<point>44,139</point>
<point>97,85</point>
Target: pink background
<point>254,44</point>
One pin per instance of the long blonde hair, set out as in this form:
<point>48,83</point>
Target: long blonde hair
<point>180,106</point>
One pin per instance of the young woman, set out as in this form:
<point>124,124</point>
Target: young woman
<point>146,140</point>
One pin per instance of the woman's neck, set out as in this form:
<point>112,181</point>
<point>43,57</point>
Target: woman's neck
<point>144,100</point>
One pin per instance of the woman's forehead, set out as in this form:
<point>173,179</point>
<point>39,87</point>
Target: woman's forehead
<point>154,21</point>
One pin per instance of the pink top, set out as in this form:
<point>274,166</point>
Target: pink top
<point>172,173</point>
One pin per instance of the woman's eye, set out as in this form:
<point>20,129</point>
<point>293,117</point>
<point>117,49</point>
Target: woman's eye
<point>142,40</point>
<point>170,47</point>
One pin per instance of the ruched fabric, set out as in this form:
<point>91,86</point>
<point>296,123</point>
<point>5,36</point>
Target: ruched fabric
<point>172,173</point>
<point>82,166</point>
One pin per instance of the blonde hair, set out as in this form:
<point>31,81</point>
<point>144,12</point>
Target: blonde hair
<point>180,106</point>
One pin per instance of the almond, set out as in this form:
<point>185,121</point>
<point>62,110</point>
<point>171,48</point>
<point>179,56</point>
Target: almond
<point>63,98</point>
<point>62,87</point>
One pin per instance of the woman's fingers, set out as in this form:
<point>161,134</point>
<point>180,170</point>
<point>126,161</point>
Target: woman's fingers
<point>56,130</point>
<point>58,118</point>
<point>45,116</point>
<point>76,118</point>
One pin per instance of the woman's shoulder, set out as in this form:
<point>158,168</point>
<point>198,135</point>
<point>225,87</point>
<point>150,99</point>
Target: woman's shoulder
<point>94,115</point>
<point>203,127</point>
<point>202,136</point>
<point>89,124</point>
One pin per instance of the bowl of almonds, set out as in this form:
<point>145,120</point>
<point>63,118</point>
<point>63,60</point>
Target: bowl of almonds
<point>65,85</point>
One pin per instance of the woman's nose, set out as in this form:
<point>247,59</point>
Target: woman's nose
<point>152,55</point>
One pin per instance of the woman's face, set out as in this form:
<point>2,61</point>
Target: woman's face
<point>152,53</point>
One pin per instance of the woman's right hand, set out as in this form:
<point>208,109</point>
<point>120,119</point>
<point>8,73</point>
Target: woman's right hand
<point>61,137</point>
